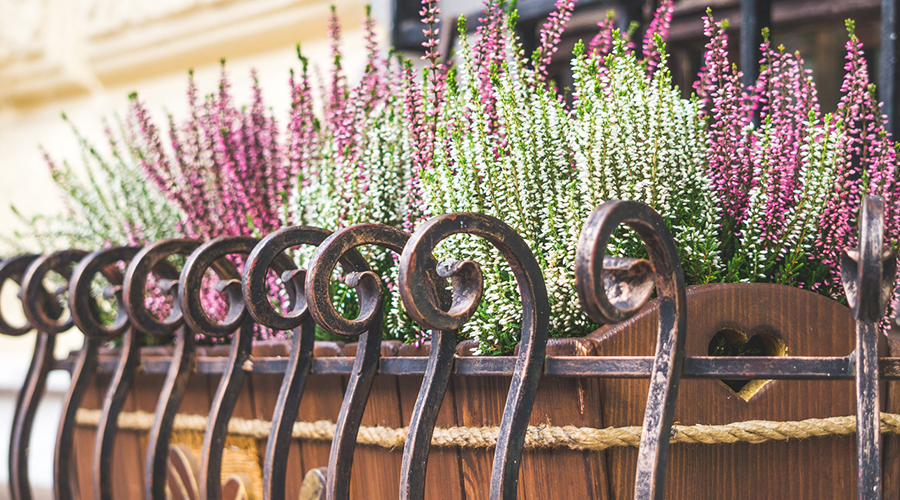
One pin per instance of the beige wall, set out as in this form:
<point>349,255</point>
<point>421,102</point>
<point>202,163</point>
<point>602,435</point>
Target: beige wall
<point>84,58</point>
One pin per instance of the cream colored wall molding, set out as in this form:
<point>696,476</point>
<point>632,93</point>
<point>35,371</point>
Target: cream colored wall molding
<point>53,48</point>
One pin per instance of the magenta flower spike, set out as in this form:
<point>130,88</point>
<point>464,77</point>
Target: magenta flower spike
<point>659,26</point>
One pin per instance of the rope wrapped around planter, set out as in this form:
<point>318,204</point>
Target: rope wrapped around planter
<point>537,437</point>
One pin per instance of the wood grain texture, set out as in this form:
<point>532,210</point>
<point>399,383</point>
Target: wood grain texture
<point>566,401</point>
<point>479,402</point>
<point>376,472</point>
<point>442,476</point>
<point>810,325</point>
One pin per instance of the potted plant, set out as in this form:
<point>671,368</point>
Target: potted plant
<point>759,186</point>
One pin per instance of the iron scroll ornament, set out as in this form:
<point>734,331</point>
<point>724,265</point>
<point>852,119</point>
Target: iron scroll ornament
<point>367,325</point>
<point>83,308</point>
<point>467,281</point>
<point>211,255</point>
<point>14,269</point>
<point>43,312</point>
<point>612,289</point>
<point>867,274</point>
<point>153,259</point>
<point>255,286</point>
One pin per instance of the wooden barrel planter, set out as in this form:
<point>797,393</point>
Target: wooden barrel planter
<point>772,320</point>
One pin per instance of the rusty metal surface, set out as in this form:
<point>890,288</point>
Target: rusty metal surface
<point>439,297</point>
<point>44,312</point>
<point>153,260</point>
<point>612,289</point>
<point>421,301</point>
<point>83,308</point>
<point>255,287</point>
<point>868,275</point>
<point>237,323</point>
<point>367,325</point>
<point>14,269</point>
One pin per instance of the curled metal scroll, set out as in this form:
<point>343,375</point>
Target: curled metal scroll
<point>154,259</point>
<point>613,289</point>
<point>83,308</point>
<point>368,325</point>
<point>255,287</point>
<point>867,273</point>
<point>421,303</point>
<point>44,312</point>
<point>14,269</point>
<point>208,256</point>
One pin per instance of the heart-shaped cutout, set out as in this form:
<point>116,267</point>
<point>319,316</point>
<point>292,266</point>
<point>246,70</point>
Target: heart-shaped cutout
<point>732,342</point>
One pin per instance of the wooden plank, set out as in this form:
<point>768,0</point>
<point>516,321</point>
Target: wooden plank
<point>479,402</point>
<point>442,476</point>
<point>566,401</point>
<point>376,471</point>
<point>131,446</point>
<point>810,325</point>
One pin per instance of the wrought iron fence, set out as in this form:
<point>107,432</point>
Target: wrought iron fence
<point>610,290</point>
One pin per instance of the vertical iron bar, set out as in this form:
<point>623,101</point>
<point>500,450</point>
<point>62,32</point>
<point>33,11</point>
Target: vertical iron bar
<point>868,413</point>
<point>14,269</point>
<point>867,273</point>
<point>44,311</point>
<point>368,325</point>
<point>421,300</point>
<point>29,397</point>
<point>152,260</point>
<point>268,256</point>
<point>238,323</point>
<point>425,413</point>
<point>104,445</point>
<point>887,78</point>
<point>610,296</point>
<point>755,15</point>
<point>85,367</point>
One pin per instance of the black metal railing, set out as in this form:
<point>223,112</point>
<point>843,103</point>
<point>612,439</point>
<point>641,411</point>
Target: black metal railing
<point>610,290</point>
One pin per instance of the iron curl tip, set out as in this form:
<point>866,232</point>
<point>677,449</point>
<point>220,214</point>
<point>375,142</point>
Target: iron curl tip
<point>14,269</point>
<point>206,257</point>
<point>42,307</point>
<point>341,246</point>
<point>417,272</point>
<point>82,304</point>
<point>153,259</point>
<point>269,254</point>
<point>612,289</point>
<point>421,299</point>
<point>868,271</point>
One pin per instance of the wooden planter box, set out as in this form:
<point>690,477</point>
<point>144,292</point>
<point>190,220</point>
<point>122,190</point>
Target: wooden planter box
<point>788,321</point>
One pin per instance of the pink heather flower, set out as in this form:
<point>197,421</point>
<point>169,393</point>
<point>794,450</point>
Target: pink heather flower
<point>602,43</point>
<point>551,34</point>
<point>434,71</point>
<point>422,134</point>
<point>867,164</point>
<point>335,101</point>
<point>302,133</point>
<point>728,110</point>
<point>659,25</point>
<point>787,99</point>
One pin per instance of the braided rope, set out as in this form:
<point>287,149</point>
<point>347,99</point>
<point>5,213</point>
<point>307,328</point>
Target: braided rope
<point>538,437</point>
